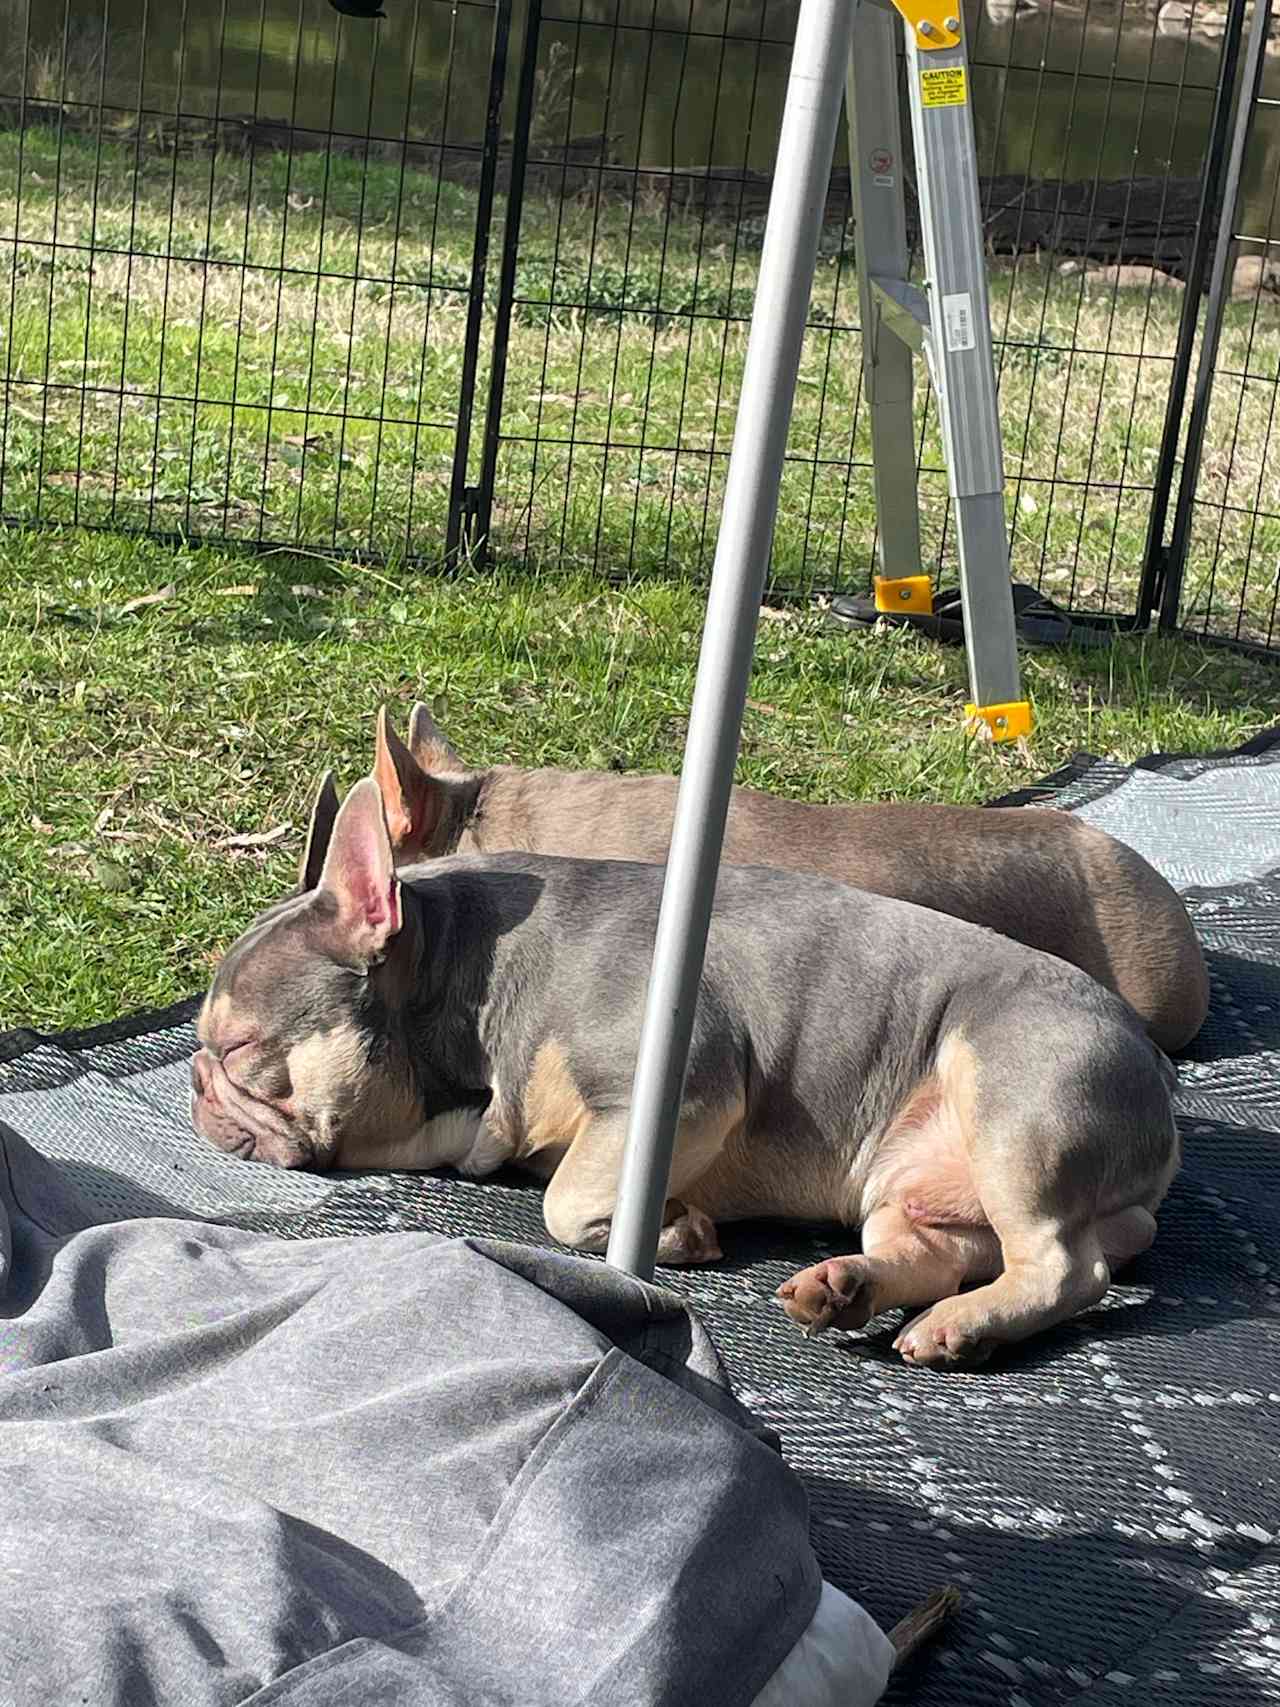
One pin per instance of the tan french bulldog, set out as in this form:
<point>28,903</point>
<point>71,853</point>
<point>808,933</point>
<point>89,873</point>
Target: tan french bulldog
<point>1042,877</point>
<point>983,1112</point>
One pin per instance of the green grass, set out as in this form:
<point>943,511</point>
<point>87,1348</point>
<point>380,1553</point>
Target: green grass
<point>293,374</point>
<point>134,744</point>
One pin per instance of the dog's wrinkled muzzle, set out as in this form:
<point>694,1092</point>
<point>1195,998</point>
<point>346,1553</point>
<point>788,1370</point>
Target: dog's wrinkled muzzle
<point>239,1123</point>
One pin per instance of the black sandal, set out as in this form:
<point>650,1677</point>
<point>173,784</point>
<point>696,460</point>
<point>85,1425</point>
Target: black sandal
<point>1037,620</point>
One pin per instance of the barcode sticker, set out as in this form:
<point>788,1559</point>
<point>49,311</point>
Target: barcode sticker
<point>957,318</point>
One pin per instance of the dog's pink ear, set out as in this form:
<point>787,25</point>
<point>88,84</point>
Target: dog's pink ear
<point>323,814</point>
<point>411,798</point>
<point>359,872</point>
<point>428,744</point>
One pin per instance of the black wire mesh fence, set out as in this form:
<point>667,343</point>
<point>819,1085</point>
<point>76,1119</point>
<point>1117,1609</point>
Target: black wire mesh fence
<point>637,273</point>
<point>1228,585</point>
<point>239,241</point>
<point>483,272</point>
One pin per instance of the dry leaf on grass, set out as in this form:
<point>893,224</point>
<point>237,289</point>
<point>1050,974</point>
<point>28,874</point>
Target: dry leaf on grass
<point>255,838</point>
<point>146,599</point>
<point>86,480</point>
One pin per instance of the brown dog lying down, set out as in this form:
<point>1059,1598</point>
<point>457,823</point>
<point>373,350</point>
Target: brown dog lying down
<point>1042,877</point>
<point>985,1113</point>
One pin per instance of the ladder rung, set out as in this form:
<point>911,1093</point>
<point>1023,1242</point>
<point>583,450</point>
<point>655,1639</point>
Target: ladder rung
<point>904,310</point>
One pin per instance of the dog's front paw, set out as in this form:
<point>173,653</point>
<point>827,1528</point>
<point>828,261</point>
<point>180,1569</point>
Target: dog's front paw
<point>836,1293</point>
<point>689,1238</point>
<point>950,1333</point>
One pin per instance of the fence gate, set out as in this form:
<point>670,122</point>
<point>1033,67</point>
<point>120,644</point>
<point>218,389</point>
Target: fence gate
<point>643,151</point>
<point>1219,574</point>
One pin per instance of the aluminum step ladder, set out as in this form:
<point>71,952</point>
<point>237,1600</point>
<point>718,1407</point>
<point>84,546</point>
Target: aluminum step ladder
<point>843,48</point>
<point>948,323</point>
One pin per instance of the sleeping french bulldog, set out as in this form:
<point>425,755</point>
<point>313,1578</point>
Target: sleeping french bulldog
<point>1042,877</point>
<point>983,1112</point>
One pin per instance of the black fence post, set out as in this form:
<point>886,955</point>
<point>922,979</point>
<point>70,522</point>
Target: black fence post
<point>461,496</point>
<point>1219,294</point>
<point>1156,564</point>
<point>482,509</point>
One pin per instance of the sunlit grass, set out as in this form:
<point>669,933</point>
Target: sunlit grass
<point>271,348</point>
<point>138,740</point>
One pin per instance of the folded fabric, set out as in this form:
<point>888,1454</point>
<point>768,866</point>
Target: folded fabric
<point>404,1468</point>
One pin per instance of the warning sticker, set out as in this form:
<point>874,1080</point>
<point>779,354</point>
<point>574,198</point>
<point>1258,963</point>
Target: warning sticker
<point>957,318</point>
<point>945,87</point>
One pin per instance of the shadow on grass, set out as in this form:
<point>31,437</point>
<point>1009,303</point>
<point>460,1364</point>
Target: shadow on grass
<point>291,600</point>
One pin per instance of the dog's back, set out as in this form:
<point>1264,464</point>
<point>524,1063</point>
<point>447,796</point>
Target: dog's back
<point>1042,877</point>
<point>829,997</point>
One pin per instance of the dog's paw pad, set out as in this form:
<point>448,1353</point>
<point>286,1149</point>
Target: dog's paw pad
<point>836,1293</point>
<point>942,1338</point>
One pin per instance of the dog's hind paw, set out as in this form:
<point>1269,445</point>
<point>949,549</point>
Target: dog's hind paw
<point>951,1333</point>
<point>839,1293</point>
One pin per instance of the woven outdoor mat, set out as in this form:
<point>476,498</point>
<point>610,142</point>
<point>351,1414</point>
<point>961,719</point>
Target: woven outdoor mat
<point>1108,1497</point>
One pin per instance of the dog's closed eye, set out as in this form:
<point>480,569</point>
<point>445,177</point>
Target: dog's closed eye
<point>257,1070</point>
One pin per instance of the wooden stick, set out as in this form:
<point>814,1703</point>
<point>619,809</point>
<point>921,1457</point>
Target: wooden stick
<point>922,1624</point>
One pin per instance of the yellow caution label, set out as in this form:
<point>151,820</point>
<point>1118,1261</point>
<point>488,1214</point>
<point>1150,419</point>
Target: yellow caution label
<point>945,87</point>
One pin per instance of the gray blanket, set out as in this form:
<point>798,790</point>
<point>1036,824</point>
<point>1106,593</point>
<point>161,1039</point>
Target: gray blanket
<point>403,1469</point>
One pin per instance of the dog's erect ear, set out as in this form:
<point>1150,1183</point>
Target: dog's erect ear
<point>323,814</point>
<point>428,745</point>
<point>412,797</point>
<point>359,872</point>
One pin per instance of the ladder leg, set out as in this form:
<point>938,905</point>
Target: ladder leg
<point>880,248</point>
<point>961,361</point>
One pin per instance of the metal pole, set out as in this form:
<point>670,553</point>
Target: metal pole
<point>1219,294</point>
<point>802,173</point>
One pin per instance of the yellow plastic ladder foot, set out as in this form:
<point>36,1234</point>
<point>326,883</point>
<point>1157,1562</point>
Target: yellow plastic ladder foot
<point>908,593</point>
<point>1006,722</point>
